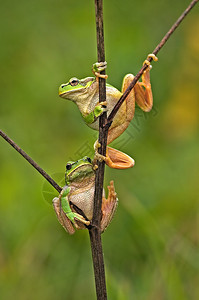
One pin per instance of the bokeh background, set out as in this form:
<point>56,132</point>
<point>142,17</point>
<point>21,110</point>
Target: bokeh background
<point>152,246</point>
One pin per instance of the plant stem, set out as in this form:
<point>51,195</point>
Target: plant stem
<point>95,232</point>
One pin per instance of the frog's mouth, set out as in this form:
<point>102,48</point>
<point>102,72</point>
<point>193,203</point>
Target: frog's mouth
<point>63,90</point>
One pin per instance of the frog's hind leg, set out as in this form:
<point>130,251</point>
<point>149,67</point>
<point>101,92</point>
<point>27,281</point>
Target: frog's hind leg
<point>143,92</point>
<point>130,99</point>
<point>125,113</point>
<point>108,207</point>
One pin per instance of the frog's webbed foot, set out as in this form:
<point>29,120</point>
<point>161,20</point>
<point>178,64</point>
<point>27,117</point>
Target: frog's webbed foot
<point>114,159</point>
<point>108,206</point>
<point>118,160</point>
<point>99,67</point>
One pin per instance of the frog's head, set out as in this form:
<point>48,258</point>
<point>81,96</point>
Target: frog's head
<point>75,87</point>
<point>78,170</point>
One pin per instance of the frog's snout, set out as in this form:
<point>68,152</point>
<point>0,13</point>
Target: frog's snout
<point>61,88</point>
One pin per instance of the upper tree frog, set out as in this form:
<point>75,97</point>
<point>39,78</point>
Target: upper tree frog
<point>85,93</point>
<point>74,206</point>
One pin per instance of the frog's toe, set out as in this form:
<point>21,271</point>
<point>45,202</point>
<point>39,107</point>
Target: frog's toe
<point>99,67</point>
<point>97,74</point>
<point>153,56</point>
<point>99,157</point>
<point>97,145</point>
<point>103,104</point>
<point>147,62</point>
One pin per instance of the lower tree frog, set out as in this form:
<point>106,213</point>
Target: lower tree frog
<point>74,206</point>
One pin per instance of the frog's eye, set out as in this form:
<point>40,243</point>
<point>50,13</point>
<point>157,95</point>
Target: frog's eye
<point>68,166</point>
<point>88,159</point>
<point>74,82</point>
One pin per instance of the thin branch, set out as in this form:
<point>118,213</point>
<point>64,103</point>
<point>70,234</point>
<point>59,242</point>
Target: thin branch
<point>94,232</point>
<point>102,120</point>
<point>144,67</point>
<point>31,161</point>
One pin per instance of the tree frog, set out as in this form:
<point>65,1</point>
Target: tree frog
<point>74,206</point>
<point>85,93</point>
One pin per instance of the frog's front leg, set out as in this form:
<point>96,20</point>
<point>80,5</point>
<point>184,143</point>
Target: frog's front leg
<point>99,109</point>
<point>108,206</point>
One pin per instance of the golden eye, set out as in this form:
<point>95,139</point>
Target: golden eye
<point>74,81</point>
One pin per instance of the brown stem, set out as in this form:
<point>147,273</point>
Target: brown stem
<point>144,67</point>
<point>95,232</point>
<point>31,161</point>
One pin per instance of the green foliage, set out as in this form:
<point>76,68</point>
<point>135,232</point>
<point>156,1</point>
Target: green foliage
<point>151,247</point>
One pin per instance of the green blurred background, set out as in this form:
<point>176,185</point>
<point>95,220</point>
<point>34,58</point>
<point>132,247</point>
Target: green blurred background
<point>152,246</point>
